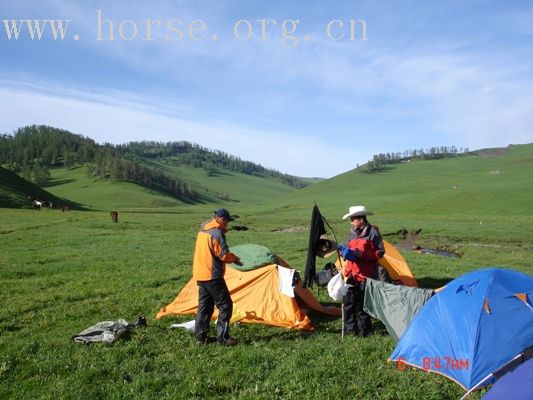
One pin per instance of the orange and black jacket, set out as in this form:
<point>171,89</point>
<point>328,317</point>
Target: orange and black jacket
<point>211,253</point>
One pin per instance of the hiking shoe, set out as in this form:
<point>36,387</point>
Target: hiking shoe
<point>207,340</point>
<point>229,342</point>
<point>141,322</point>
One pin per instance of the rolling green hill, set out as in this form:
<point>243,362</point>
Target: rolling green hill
<point>222,187</point>
<point>101,194</point>
<point>140,175</point>
<point>492,181</point>
<point>151,175</point>
<point>14,192</point>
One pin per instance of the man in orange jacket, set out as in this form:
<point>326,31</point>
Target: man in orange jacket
<point>210,257</point>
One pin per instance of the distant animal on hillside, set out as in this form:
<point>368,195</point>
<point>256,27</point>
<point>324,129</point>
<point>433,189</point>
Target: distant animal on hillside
<point>36,204</point>
<point>114,216</point>
<point>65,208</point>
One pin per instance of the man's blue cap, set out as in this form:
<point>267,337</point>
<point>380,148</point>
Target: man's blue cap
<point>223,213</point>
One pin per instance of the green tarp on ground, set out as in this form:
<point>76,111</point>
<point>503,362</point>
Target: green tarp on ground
<point>394,305</point>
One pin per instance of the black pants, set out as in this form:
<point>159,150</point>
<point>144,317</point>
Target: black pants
<point>211,293</point>
<point>356,321</point>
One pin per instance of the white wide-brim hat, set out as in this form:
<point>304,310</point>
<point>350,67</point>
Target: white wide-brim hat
<point>357,211</point>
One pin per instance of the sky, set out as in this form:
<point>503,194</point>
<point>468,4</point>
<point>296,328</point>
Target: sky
<point>309,88</point>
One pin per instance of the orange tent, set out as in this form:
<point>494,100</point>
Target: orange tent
<point>396,266</point>
<point>257,293</point>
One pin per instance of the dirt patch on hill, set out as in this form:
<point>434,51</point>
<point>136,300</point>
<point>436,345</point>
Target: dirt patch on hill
<point>408,242</point>
<point>498,151</point>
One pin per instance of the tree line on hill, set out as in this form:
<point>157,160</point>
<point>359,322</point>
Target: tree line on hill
<point>32,150</point>
<point>186,153</point>
<point>381,160</point>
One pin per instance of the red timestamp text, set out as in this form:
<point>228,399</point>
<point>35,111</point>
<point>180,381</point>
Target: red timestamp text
<point>442,363</point>
<point>445,363</point>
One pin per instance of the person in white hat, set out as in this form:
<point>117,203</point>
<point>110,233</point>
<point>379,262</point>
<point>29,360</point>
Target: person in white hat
<point>364,247</point>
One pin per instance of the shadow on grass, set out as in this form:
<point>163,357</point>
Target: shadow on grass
<point>432,283</point>
<point>58,182</point>
<point>219,173</point>
<point>281,335</point>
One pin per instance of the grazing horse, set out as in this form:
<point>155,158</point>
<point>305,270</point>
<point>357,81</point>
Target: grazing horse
<point>114,216</point>
<point>37,204</point>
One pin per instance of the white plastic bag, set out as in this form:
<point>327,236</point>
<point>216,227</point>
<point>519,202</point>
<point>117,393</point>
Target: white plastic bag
<point>336,287</point>
<point>189,325</point>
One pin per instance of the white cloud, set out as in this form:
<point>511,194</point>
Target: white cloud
<point>413,86</point>
<point>119,120</point>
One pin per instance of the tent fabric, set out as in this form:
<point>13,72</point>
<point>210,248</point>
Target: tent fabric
<point>457,336</point>
<point>394,305</point>
<point>317,229</point>
<point>257,293</point>
<point>395,265</point>
<point>516,384</point>
<point>253,256</point>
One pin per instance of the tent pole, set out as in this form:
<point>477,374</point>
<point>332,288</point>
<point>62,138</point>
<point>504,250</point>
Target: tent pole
<point>476,386</point>
<point>342,320</point>
<point>340,272</point>
<point>513,363</point>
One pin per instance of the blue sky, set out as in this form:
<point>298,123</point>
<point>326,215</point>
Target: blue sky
<point>428,74</point>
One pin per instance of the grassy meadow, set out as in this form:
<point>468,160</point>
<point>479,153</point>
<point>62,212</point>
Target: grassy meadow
<point>62,272</point>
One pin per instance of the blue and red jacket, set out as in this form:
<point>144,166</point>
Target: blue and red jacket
<point>368,243</point>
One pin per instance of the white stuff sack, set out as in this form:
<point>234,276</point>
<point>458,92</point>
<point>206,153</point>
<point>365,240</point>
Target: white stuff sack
<point>336,287</point>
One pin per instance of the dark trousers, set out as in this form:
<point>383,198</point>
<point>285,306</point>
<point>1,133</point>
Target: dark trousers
<point>211,293</point>
<point>356,321</point>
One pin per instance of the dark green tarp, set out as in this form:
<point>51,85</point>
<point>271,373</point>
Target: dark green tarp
<point>394,305</point>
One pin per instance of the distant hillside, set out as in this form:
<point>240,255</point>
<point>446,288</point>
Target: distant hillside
<point>98,194</point>
<point>183,171</point>
<point>212,161</point>
<point>482,182</point>
<point>16,191</point>
<point>137,175</point>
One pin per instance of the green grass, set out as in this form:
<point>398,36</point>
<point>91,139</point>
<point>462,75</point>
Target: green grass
<point>62,272</point>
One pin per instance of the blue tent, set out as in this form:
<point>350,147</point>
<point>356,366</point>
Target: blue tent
<point>516,385</point>
<point>474,326</point>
